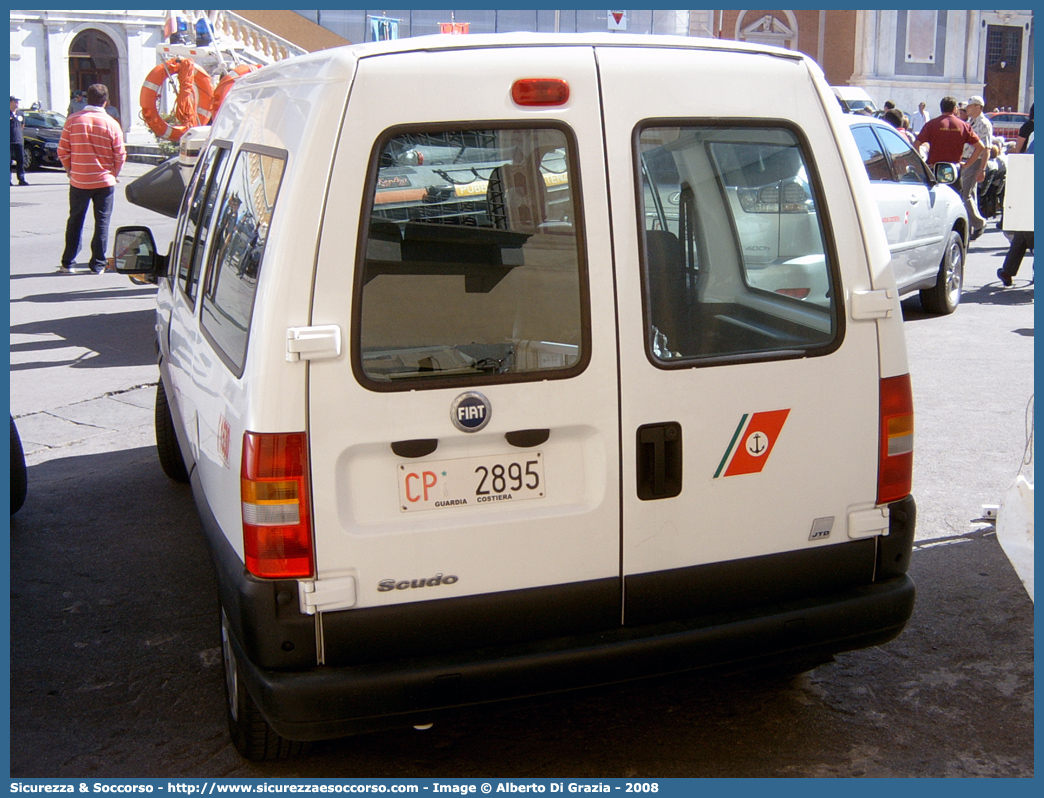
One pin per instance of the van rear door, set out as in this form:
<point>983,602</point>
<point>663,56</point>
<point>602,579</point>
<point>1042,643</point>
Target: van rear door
<point>749,410</point>
<point>464,444</point>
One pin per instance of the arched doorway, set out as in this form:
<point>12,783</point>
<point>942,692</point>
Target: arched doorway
<point>93,59</point>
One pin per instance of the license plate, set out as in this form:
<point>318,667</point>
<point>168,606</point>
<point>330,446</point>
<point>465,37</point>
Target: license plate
<point>471,482</point>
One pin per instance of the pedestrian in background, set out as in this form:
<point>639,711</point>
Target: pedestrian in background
<point>895,118</point>
<point>1025,133</point>
<point>973,170</point>
<point>920,118</point>
<point>78,103</point>
<point>992,187</point>
<point>1021,240</point>
<point>17,143</point>
<point>946,136</point>
<point>91,150</point>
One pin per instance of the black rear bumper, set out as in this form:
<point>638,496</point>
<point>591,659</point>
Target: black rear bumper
<point>326,702</point>
<point>406,669</point>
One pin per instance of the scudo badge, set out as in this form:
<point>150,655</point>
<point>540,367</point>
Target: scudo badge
<point>470,411</point>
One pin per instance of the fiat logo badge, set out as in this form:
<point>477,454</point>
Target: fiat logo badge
<point>470,411</point>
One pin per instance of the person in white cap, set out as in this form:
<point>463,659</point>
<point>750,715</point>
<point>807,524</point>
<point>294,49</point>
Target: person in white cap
<point>970,167</point>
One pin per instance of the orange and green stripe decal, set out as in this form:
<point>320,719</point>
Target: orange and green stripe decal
<point>752,443</point>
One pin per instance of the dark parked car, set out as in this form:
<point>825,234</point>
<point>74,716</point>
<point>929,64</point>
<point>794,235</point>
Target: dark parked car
<point>18,472</point>
<point>42,131</point>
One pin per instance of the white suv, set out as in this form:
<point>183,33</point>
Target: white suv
<point>923,217</point>
<point>474,408</point>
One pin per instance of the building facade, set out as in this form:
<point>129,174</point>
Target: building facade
<point>54,53</point>
<point>905,56</point>
<point>363,25</point>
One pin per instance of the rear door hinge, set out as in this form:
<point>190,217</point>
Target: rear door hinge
<point>879,304</point>
<point>313,343</point>
<point>868,523</point>
<point>324,595</point>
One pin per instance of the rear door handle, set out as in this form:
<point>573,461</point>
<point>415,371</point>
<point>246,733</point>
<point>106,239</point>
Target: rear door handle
<point>659,461</point>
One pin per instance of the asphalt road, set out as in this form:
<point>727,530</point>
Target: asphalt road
<point>115,658</point>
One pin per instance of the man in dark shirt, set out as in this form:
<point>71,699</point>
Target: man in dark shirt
<point>17,144</point>
<point>946,136</point>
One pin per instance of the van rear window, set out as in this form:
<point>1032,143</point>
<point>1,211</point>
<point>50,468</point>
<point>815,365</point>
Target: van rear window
<point>471,266</point>
<point>736,262</point>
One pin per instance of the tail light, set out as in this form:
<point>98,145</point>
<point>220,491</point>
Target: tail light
<point>895,459</point>
<point>277,529</point>
<point>788,196</point>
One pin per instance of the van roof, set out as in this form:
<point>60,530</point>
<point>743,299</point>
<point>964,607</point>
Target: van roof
<point>528,39</point>
<point>342,57</point>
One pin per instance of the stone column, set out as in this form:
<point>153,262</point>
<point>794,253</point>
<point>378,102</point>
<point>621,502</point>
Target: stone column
<point>866,41</point>
<point>57,61</point>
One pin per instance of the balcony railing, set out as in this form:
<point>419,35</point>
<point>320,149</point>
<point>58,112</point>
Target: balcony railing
<point>236,38</point>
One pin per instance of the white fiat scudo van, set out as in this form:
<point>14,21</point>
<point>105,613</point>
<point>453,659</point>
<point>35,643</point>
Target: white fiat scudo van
<point>588,370</point>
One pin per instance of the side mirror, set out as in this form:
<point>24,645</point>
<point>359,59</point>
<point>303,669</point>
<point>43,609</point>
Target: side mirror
<point>946,173</point>
<point>135,252</point>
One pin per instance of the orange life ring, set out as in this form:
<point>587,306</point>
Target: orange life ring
<point>226,83</point>
<point>193,105</point>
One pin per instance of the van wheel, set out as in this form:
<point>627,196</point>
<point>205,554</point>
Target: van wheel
<point>167,447</point>
<point>945,295</point>
<point>19,478</point>
<point>251,734</point>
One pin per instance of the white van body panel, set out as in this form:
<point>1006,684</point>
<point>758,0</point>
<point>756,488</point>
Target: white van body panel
<point>222,406</point>
<point>832,397</point>
<point>671,291</point>
<point>892,342</point>
<point>353,533</point>
<point>569,536</point>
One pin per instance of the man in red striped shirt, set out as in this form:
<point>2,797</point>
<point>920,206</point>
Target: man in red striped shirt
<point>91,150</point>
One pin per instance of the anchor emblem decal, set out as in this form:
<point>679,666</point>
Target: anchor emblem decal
<point>756,444</point>
<point>758,433</point>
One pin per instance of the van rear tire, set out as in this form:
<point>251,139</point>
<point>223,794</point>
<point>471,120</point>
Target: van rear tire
<point>251,734</point>
<point>167,446</point>
<point>944,297</point>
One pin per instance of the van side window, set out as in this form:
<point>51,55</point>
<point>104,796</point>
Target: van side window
<point>235,256</point>
<point>203,193</point>
<point>734,254</point>
<point>471,266</point>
